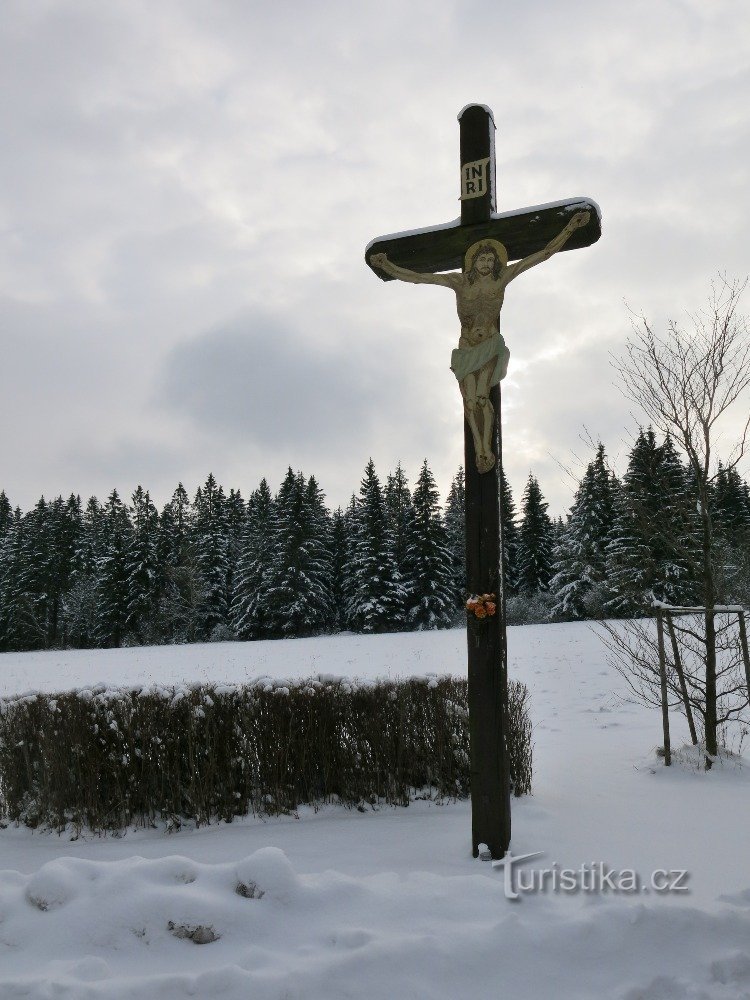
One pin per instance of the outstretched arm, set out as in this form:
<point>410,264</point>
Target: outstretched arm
<point>579,219</point>
<point>380,260</point>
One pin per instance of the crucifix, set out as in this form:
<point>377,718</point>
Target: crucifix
<point>491,250</point>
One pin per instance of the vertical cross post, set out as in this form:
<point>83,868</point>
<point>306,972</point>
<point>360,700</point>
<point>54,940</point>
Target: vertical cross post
<point>528,236</point>
<point>487,649</point>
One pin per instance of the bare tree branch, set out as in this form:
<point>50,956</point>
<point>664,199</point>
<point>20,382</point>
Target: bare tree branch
<point>686,382</point>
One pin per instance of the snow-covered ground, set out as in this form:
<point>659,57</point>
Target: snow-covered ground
<point>347,655</point>
<point>390,903</point>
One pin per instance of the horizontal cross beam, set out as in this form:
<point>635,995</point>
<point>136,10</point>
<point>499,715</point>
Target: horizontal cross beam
<point>442,248</point>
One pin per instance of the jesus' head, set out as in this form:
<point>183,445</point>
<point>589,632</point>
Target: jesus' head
<point>486,261</point>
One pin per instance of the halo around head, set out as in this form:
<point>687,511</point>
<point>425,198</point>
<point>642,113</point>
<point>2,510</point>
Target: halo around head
<point>476,248</point>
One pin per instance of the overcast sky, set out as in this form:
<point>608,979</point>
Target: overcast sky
<point>187,189</point>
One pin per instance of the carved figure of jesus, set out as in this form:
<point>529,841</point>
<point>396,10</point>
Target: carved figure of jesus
<point>481,359</point>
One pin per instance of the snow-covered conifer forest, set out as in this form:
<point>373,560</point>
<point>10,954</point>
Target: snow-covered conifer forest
<point>220,566</point>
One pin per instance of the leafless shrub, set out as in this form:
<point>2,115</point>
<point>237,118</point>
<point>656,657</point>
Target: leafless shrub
<point>633,651</point>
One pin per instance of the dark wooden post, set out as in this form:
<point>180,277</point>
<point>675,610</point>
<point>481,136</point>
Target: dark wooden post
<point>487,650</point>
<point>663,686</point>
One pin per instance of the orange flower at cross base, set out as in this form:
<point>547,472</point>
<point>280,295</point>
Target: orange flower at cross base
<point>481,605</point>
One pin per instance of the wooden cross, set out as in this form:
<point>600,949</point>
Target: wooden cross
<point>528,236</point>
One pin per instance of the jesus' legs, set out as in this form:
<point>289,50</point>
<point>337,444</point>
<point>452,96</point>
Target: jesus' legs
<point>480,415</point>
<point>487,411</point>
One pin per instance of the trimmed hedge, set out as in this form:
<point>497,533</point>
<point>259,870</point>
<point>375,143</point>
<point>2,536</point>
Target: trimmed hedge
<point>107,758</point>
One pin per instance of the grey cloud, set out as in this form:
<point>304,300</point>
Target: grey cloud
<point>257,380</point>
<point>166,167</point>
<point>148,463</point>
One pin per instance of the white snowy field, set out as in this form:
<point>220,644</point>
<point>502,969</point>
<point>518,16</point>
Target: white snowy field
<point>347,655</point>
<point>390,904</point>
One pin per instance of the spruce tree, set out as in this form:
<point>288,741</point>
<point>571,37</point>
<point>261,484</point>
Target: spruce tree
<point>455,531</point>
<point>36,571</point>
<point>49,541</point>
<point>248,605</point>
<point>535,541</point>
<point>558,529</point>
<point>178,566</point>
<point>68,528</point>
<point>180,519</point>
<point>145,585</point>
<point>375,596</point>
<point>339,546</point>
<point>400,510</point>
<point>431,596</point>
<point>737,518</point>
<point>112,574</point>
<point>580,554</point>
<point>510,537</point>
<point>175,523</point>
<point>12,633</point>
<point>676,530</point>
<point>733,557</point>
<point>652,552</point>
<point>36,578</point>
<point>236,517</point>
<point>211,546</point>
<point>322,612</point>
<point>6,515</point>
<point>81,597</point>
<point>730,507</point>
<point>296,591</point>
<point>630,564</point>
<point>347,573</point>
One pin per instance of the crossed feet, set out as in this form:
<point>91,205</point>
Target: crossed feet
<point>485,461</point>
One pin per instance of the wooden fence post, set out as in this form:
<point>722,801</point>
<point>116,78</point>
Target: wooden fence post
<point>745,656</point>
<point>663,678</point>
<point>683,684</point>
